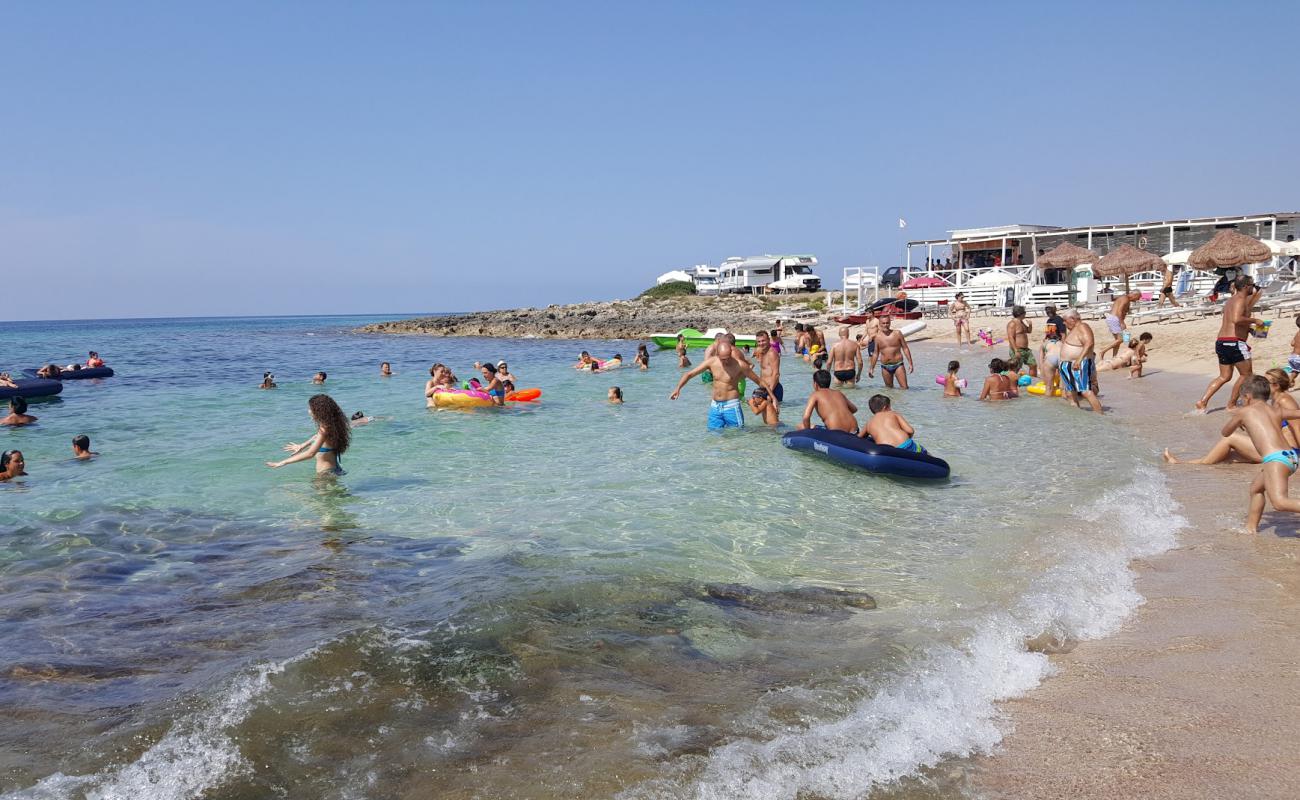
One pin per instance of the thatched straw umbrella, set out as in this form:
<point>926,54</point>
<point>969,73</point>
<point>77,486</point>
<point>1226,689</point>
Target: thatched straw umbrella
<point>1229,249</point>
<point>1126,260</point>
<point>1066,256</point>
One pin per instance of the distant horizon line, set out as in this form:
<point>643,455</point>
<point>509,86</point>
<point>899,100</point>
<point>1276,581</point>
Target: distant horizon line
<point>241,316</point>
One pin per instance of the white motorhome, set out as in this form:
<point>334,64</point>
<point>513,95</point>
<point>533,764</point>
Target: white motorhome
<point>768,273</point>
<point>703,276</point>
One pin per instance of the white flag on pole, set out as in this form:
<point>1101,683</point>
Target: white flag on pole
<point>902,223</point>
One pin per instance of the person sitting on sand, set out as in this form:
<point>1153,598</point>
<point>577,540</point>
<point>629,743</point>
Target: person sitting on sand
<point>642,359</point>
<point>1263,424</point>
<point>846,360</point>
<point>1131,358</point>
<point>18,415</point>
<point>12,465</point>
<point>7,382</point>
<point>888,427</point>
<point>318,378</point>
<point>682,361</point>
<point>996,385</point>
<point>268,381</point>
<point>952,384</point>
<point>1237,446</point>
<point>492,386</point>
<point>835,409</point>
<point>385,370</point>
<point>93,361</point>
<point>760,402</point>
<point>727,370</point>
<point>615,395</point>
<point>333,435</point>
<point>81,448</point>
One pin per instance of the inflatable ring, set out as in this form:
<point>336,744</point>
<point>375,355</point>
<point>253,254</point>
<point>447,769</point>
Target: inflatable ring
<point>460,398</point>
<point>1039,388</point>
<point>523,396</point>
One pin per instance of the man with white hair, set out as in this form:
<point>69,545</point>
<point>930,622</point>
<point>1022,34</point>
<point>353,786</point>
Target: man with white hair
<point>1078,359</point>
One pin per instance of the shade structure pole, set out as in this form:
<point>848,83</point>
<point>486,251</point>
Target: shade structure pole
<point>929,256</point>
<point>1171,238</point>
<point>1273,235</point>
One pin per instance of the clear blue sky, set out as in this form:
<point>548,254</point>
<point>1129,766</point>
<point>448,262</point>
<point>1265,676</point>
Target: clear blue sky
<point>161,159</point>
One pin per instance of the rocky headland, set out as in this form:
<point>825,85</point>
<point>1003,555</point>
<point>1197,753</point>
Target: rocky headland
<point>618,319</point>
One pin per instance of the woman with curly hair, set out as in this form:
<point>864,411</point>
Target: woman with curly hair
<point>333,435</point>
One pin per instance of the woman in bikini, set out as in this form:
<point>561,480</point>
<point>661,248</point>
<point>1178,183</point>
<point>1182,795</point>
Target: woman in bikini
<point>333,435</point>
<point>960,313</point>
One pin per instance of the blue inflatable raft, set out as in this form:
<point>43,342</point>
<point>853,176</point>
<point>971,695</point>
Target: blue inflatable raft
<point>31,388</point>
<point>852,451</point>
<point>85,373</point>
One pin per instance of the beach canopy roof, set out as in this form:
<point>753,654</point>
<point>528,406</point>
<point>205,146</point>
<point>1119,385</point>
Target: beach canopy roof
<point>1229,249</point>
<point>925,283</point>
<point>1127,260</point>
<point>1066,254</point>
<point>1280,248</point>
<point>994,277</point>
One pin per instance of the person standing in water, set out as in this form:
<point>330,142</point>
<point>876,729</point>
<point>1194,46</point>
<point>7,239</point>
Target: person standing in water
<point>725,410</point>
<point>333,435</point>
<point>18,415</point>
<point>1018,340</point>
<point>1078,373</point>
<point>642,359</point>
<point>682,361</point>
<point>769,366</point>
<point>846,360</point>
<point>891,349</point>
<point>1231,348</point>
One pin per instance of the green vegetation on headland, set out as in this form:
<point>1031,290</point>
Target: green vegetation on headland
<point>666,290</point>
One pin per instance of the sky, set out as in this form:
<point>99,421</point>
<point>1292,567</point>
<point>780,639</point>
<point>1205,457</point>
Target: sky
<point>185,159</point>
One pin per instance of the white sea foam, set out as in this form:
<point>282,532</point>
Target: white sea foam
<point>195,755</point>
<point>946,705</point>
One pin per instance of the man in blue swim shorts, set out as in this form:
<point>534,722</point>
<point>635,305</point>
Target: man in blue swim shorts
<point>1262,423</point>
<point>1078,376</point>
<point>728,370</point>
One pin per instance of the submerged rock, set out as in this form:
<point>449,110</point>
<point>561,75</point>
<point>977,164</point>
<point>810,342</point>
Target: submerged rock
<point>1050,643</point>
<point>805,600</point>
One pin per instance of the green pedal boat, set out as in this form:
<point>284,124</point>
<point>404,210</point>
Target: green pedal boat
<point>695,339</point>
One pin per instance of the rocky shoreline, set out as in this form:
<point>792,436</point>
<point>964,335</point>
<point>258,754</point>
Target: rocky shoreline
<point>618,319</point>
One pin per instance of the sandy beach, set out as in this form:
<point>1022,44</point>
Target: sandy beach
<point>1195,697</point>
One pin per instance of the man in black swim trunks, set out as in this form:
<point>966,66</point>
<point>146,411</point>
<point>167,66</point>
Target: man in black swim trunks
<point>769,368</point>
<point>846,360</point>
<point>1230,347</point>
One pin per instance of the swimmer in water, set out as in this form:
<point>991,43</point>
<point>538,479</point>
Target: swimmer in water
<point>360,418</point>
<point>888,427</point>
<point>493,388</point>
<point>615,395</point>
<point>81,448</point>
<point>760,402</point>
<point>318,378</point>
<point>333,435</point>
<point>12,465</point>
<point>385,370</point>
<point>642,359</point>
<point>268,381</point>
<point>18,415</point>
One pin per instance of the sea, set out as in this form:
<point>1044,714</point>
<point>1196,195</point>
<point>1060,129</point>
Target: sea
<point>560,599</point>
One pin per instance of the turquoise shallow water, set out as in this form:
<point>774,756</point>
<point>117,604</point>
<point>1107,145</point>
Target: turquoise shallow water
<point>513,603</point>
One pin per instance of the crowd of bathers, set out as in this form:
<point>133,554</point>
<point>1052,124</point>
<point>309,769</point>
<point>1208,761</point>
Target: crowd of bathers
<point>12,462</point>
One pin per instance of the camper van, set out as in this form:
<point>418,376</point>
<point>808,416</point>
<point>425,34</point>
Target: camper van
<point>768,273</point>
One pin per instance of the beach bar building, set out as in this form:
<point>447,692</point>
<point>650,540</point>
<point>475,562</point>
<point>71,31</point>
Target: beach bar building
<point>1003,259</point>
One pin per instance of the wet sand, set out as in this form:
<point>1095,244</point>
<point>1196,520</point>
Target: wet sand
<point>1198,696</point>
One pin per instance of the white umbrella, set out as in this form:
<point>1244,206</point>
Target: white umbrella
<point>1177,257</point>
<point>995,277</point>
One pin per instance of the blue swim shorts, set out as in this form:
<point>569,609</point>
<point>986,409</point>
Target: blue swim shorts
<point>725,414</point>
